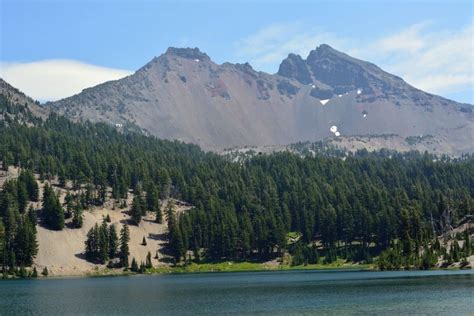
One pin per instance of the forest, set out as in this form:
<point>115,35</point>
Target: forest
<point>354,206</point>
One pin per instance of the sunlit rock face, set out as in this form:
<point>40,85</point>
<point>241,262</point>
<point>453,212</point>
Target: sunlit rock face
<point>184,95</point>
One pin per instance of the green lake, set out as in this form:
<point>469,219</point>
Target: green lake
<point>274,293</point>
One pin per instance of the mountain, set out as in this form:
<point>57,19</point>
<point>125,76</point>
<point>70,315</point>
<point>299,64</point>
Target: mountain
<point>13,95</point>
<point>184,95</point>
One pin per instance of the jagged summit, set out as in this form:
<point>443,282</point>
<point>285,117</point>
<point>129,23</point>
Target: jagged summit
<point>190,53</point>
<point>183,94</point>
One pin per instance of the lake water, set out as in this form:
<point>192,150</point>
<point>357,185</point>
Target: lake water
<point>281,293</point>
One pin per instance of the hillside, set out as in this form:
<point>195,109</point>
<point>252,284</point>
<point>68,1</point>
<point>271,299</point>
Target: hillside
<point>184,95</point>
<point>285,208</point>
<point>14,95</point>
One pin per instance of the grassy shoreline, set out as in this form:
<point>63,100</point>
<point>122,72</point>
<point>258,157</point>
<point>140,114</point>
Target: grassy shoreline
<point>225,267</point>
<point>229,266</point>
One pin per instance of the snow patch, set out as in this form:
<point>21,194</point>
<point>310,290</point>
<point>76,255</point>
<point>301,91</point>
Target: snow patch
<point>323,102</point>
<point>339,95</point>
<point>313,86</point>
<point>337,134</point>
<point>365,115</point>
<point>333,129</point>
<point>359,91</point>
<point>197,60</point>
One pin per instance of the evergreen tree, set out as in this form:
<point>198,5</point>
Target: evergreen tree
<point>77,216</point>
<point>149,265</point>
<point>53,214</point>
<point>142,268</point>
<point>22,196</point>
<point>113,241</point>
<point>153,202</point>
<point>134,265</point>
<point>92,243</point>
<point>124,250</point>
<point>103,242</point>
<point>136,211</point>
<point>22,273</point>
<point>3,252</point>
<point>176,244</point>
<point>25,243</point>
<point>32,217</point>
<point>27,177</point>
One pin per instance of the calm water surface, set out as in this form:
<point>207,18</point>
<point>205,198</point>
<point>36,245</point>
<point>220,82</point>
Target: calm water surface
<point>282,293</point>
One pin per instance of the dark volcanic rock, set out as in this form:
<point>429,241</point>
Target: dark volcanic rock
<point>295,67</point>
<point>190,53</point>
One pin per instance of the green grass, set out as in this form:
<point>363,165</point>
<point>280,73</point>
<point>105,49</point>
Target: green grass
<point>229,266</point>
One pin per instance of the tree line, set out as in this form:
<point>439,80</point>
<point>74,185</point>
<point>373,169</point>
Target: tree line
<point>354,205</point>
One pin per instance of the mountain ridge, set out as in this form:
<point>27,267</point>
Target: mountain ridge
<point>182,94</point>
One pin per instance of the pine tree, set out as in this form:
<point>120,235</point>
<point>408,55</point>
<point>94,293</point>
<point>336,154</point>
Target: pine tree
<point>136,211</point>
<point>52,209</point>
<point>153,203</point>
<point>68,200</point>
<point>22,196</point>
<point>3,252</point>
<point>45,272</point>
<point>176,244</point>
<point>113,241</point>
<point>32,216</point>
<point>124,250</point>
<point>77,217</point>
<point>142,268</point>
<point>467,248</point>
<point>27,177</point>
<point>103,242</point>
<point>35,273</point>
<point>22,273</point>
<point>144,241</point>
<point>134,265</point>
<point>92,243</point>
<point>149,265</point>
<point>455,251</point>
<point>25,243</point>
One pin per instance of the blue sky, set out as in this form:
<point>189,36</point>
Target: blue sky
<point>72,44</point>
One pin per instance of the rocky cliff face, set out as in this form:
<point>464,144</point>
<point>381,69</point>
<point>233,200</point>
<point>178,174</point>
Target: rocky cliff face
<point>184,95</point>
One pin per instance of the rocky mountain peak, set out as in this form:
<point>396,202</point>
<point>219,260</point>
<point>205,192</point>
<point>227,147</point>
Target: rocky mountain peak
<point>189,53</point>
<point>295,67</point>
<point>183,95</point>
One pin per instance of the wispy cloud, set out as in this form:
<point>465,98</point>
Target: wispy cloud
<point>49,80</point>
<point>268,46</point>
<point>440,62</point>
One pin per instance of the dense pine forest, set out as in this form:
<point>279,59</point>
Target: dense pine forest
<point>352,206</point>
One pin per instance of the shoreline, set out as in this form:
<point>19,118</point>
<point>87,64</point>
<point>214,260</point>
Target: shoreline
<point>230,267</point>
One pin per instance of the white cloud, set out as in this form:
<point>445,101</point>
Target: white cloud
<point>270,45</point>
<point>49,80</point>
<point>407,40</point>
<point>436,61</point>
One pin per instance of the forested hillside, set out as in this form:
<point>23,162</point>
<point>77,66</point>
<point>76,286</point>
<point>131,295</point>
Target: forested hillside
<point>352,207</point>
